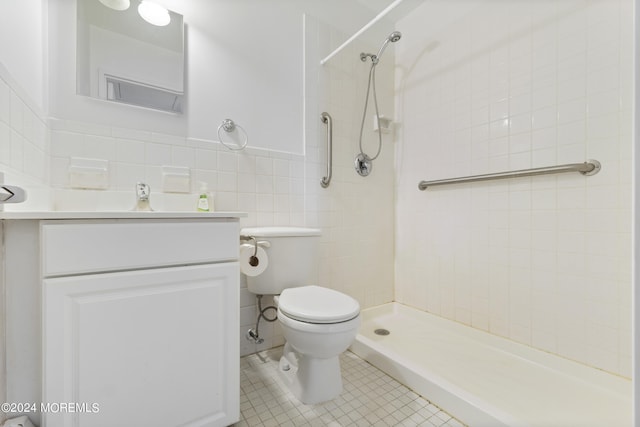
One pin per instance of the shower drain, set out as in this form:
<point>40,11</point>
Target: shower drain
<point>381,332</point>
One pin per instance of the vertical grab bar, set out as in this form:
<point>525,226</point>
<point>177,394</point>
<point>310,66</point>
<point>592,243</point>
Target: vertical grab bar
<point>326,118</point>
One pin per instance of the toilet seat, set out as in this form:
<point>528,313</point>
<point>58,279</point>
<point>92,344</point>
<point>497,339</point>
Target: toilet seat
<point>315,304</point>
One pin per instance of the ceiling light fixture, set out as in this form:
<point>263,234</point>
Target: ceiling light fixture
<point>116,4</point>
<point>154,13</point>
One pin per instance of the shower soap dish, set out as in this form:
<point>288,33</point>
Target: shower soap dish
<point>383,125</point>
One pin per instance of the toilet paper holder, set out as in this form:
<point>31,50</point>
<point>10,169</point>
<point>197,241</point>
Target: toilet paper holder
<point>253,261</point>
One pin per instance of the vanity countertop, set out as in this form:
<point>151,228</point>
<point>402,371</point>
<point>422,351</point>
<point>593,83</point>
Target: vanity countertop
<point>117,215</point>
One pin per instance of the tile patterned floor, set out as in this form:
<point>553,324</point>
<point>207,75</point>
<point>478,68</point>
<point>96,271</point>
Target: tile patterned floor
<point>369,398</point>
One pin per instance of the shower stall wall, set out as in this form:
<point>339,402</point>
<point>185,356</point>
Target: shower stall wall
<point>492,86</point>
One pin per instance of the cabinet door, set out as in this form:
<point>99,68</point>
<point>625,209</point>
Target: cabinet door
<point>155,347</point>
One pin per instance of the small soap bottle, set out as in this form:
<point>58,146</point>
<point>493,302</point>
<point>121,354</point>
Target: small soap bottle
<point>203,200</point>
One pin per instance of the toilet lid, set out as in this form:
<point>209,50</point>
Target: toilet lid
<point>314,304</point>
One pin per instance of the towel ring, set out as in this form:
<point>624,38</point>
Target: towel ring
<point>229,126</point>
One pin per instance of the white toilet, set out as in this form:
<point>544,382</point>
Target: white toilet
<point>318,323</point>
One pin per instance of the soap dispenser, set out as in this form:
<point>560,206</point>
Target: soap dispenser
<point>205,204</point>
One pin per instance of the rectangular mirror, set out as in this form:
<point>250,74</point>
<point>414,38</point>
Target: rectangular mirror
<point>122,57</point>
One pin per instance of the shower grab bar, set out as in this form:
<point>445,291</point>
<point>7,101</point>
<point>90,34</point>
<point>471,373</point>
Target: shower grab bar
<point>588,168</point>
<point>361,30</point>
<point>326,118</point>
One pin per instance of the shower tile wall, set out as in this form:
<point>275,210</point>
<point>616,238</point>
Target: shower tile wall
<point>355,213</point>
<point>545,261</point>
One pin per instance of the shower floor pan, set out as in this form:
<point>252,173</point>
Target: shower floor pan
<point>487,381</point>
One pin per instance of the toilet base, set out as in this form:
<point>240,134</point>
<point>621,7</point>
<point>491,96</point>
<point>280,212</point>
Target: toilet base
<point>311,380</point>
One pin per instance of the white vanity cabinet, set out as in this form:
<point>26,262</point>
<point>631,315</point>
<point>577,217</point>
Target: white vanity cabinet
<point>139,321</point>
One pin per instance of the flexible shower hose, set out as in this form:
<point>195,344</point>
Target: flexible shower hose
<point>372,82</point>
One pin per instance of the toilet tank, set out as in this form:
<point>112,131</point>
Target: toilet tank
<point>292,258</point>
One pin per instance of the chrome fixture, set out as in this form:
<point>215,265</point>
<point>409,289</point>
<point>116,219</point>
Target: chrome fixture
<point>254,334</point>
<point>588,168</point>
<point>393,37</point>
<point>230,126</point>
<point>326,119</point>
<point>253,259</point>
<point>364,162</point>
<point>261,243</point>
<point>143,192</point>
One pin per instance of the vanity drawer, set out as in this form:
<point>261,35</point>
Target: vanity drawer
<point>79,247</point>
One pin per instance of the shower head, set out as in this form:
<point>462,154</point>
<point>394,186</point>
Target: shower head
<point>393,37</point>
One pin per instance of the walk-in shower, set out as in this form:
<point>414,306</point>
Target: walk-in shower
<point>364,162</point>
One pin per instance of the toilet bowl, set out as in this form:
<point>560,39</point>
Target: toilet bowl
<point>318,323</point>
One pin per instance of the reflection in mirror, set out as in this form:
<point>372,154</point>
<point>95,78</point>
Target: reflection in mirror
<point>122,57</point>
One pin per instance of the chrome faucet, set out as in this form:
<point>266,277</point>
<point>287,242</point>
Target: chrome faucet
<point>143,191</point>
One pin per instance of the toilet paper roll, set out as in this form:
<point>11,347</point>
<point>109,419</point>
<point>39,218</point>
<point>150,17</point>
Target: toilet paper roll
<point>246,253</point>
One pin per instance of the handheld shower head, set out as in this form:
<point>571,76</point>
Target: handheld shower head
<point>393,37</point>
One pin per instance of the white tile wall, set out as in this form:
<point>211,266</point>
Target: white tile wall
<point>245,181</point>
<point>545,261</point>
<point>23,135</point>
<point>355,213</point>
